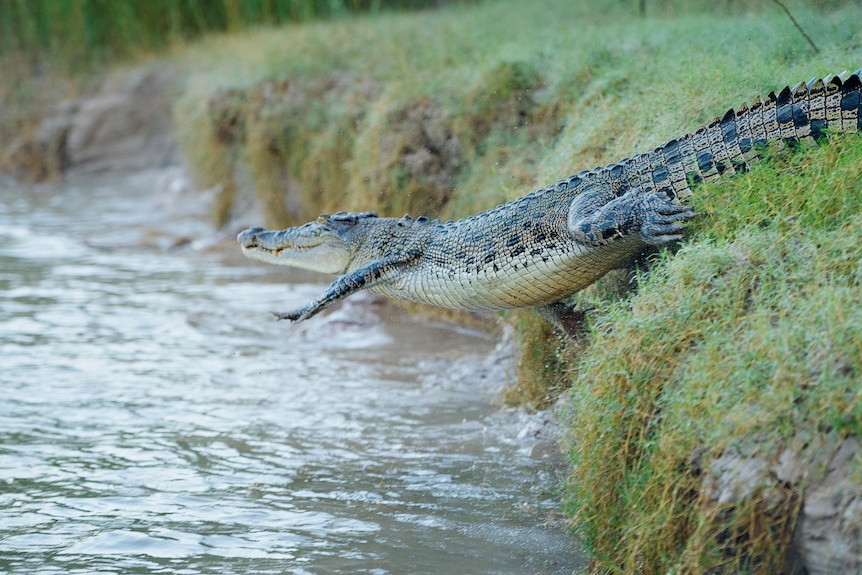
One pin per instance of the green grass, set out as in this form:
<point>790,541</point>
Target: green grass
<point>748,335</point>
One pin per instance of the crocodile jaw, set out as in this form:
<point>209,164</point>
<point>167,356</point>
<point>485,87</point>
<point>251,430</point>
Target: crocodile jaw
<point>296,247</point>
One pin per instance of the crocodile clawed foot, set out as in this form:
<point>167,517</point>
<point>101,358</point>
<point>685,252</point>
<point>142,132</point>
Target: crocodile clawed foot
<point>656,234</point>
<point>288,315</point>
<point>665,220</point>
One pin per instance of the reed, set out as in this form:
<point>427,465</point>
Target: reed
<point>73,34</point>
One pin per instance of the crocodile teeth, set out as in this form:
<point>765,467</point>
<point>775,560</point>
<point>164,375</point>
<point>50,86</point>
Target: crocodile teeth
<point>276,251</point>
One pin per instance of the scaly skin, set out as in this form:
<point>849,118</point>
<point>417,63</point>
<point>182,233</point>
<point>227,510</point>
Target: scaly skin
<point>539,250</point>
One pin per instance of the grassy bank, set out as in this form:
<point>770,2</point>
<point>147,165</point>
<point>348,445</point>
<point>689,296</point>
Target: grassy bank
<point>450,112</point>
<point>746,338</point>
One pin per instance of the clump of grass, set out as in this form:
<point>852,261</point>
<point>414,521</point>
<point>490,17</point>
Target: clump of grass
<point>214,151</point>
<point>287,139</point>
<point>548,360</point>
<point>299,137</point>
<point>749,334</point>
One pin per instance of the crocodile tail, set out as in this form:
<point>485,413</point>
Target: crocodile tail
<point>728,144</point>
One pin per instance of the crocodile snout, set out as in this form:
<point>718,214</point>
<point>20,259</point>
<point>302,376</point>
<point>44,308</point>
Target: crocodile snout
<point>248,238</point>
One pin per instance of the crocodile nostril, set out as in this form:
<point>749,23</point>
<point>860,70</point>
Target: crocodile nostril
<point>248,238</point>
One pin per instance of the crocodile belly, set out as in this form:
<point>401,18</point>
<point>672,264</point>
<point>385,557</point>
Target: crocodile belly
<point>515,282</point>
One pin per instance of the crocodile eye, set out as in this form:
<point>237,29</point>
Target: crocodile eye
<point>321,219</point>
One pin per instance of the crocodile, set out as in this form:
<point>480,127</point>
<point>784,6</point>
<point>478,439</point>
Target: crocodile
<point>539,250</point>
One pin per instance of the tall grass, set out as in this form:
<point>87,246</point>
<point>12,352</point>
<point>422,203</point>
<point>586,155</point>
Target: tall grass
<point>76,33</point>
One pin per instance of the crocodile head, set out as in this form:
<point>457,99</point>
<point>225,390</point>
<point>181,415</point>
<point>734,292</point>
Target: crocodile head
<point>326,245</point>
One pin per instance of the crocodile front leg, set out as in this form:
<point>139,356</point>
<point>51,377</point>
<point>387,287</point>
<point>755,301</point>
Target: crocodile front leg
<point>350,283</point>
<point>597,217</point>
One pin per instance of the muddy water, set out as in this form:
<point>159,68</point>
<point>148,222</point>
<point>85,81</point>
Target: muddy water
<point>155,419</point>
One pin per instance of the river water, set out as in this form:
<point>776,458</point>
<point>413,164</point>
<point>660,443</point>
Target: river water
<point>156,419</point>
